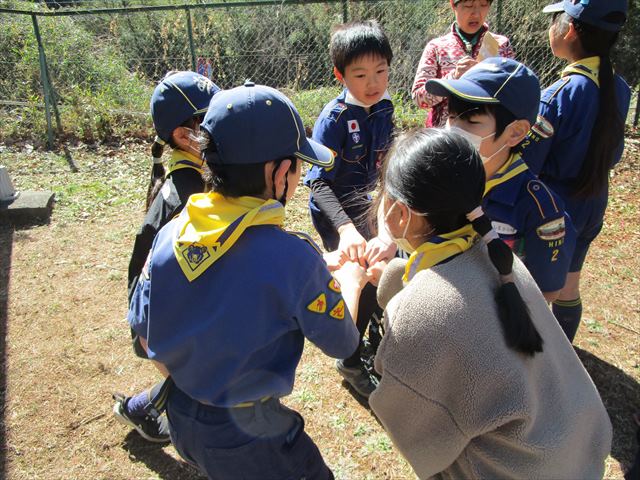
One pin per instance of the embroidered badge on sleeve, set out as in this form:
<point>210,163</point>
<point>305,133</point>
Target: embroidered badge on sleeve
<point>337,311</point>
<point>319,304</point>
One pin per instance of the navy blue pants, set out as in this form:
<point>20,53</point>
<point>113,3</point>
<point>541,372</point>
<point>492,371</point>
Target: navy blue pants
<point>266,441</point>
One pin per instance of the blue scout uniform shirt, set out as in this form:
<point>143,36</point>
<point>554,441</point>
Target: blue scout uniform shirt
<point>531,219</point>
<point>236,333</point>
<point>358,138</point>
<point>557,145</point>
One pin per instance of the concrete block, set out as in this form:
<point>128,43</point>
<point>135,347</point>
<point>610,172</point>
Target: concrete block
<point>29,208</point>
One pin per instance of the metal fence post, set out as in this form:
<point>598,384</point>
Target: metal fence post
<point>345,11</point>
<point>499,19</point>
<point>637,115</point>
<point>190,32</point>
<point>45,81</point>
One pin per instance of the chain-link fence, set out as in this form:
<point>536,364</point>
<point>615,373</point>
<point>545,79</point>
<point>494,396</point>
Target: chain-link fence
<point>93,64</point>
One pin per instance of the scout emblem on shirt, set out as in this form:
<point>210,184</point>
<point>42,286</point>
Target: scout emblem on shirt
<point>195,254</point>
<point>353,126</point>
<point>334,286</point>
<point>553,230</point>
<point>356,137</point>
<point>319,304</point>
<point>542,128</point>
<point>337,311</point>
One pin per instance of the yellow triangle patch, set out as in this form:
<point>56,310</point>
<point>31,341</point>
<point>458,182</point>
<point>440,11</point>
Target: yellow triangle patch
<point>334,286</point>
<point>319,305</point>
<point>337,312</point>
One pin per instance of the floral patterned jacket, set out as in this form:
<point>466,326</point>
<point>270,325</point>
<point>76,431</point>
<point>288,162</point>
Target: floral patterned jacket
<point>439,60</point>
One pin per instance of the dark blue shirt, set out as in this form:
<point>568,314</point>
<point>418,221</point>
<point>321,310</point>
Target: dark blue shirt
<point>531,219</point>
<point>236,333</point>
<point>358,138</point>
<point>557,145</point>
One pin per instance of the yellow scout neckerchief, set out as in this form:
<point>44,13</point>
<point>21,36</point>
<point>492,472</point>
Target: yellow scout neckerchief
<point>513,167</point>
<point>439,248</point>
<point>210,224</point>
<point>181,159</point>
<point>589,67</point>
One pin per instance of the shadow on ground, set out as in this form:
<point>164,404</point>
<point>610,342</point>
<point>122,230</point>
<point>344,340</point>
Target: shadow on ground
<point>157,460</point>
<point>621,395</point>
<point>6,246</point>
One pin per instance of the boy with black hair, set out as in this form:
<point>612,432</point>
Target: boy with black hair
<point>494,105</point>
<point>357,126</point>
<point>228,296</point>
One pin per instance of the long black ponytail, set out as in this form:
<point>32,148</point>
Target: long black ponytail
<point>608,129</point>
<point>157,171</point>
<point>440,174</point>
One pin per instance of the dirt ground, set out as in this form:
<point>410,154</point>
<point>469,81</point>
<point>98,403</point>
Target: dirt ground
<point>66,345</point>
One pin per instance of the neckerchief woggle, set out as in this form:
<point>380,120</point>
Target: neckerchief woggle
<point>211,224</point>
<point>438,249</point>
<point>588,67</point>
<point>181,159</point>
<point>513,167</point>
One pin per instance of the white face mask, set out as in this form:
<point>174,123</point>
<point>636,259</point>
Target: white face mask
<point>402,241</point>
<point>475,140</point>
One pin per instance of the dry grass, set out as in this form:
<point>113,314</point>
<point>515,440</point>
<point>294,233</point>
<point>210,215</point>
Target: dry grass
<point>67,346</point>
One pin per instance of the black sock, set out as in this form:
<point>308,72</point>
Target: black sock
<point>568,313</point>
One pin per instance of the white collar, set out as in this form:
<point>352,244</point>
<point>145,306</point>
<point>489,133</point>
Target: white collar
<point>354,101</point>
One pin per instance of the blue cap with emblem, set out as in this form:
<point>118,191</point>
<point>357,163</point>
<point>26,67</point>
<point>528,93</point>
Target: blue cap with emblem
<point>495,80</point>
<point>605,14</point>
<point>258,124</point>
<point>177,98</point>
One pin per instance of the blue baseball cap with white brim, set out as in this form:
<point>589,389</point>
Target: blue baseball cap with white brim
<point>495,80</point>
<point>178,97</point>
<point>608,15</point>
<point>258,124</point>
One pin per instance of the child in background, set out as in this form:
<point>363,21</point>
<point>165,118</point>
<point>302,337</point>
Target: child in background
<point>357,126</point>
<point>579,136</point>
<point>227,297</point>
<point>449,56</point>
<point>493,105</point>
<point>178,105</point>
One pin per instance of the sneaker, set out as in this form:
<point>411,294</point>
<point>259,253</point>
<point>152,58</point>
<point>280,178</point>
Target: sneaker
<point>152,429</point>
<point>358,377</point>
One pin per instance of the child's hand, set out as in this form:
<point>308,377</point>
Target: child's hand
<point>351,276</point>
<point>374,272</point>
<point>352,244</point>
<point>334,260</point>
<point>463,65</point>
<point>377,250</point>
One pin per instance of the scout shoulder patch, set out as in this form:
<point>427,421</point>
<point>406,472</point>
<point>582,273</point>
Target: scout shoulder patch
<point>318,304</point>
<point>337,110</point>
<point>334,286</point>
<point>553,230</point>
<point>543,199</point>
<point>543,128</point>
<point>337,311</point>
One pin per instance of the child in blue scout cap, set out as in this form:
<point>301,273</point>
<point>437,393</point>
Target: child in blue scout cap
<point>228,297</point>
<point>493,105</point>
<point>178,105</point>
<point>357,126</point>
<point>579,136</point>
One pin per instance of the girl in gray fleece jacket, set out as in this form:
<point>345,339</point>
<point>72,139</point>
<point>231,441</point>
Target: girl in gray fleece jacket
<point>478,380</point>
